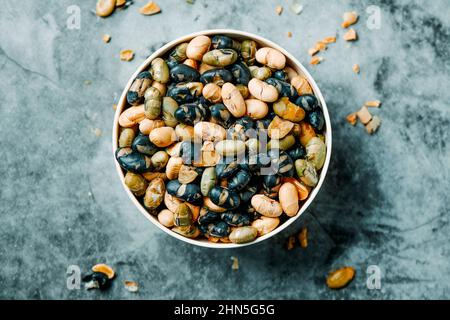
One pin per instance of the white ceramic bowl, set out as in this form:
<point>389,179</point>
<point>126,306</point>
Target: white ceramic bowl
<point>291,61</point>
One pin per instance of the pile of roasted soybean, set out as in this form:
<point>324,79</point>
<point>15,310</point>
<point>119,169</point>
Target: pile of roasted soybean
<point>221,139</point>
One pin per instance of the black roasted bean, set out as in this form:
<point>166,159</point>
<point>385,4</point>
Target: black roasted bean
<point>316,119</point>
<point>142,82</point>
<point>218,76</point>
<point>271,185</point>
<point>281,162</point>
<point>190,113</point>
<point>207,216</point>
<point>249,191</point>
<point>224,198</point>
<point>285,89</point>
<point>298,152</point>
<point>308,102</point>
<point>240,72</point>
<point>239,180</point>
<point>236,219</point>
<point>281,75</point>
<point>142,144</point>
<point>133,161</point>
<point>188,192</point>
<point>181,94</point>
<point>224,42</point>
<point>184,73</point>
<point>171,63</point>
<point>221,115</point>
<point>219,229</point>
<point>226,170</point>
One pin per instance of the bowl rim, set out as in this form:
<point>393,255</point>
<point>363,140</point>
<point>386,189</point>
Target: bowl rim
<point>295,64</point>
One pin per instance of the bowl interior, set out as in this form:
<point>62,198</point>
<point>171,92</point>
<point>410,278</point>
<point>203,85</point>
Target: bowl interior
<point>291,61</point>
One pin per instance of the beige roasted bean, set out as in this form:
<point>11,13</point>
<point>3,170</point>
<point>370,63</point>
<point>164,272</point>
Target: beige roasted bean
<point>146,126</point>
<point>271,57</point>
<point>233,100</point>
<point>165,217</point>
<point>105,8</point>
<point>205,67</point>
<point>162,88</point>
<point>163,137</point>
<point>262,90</point>
<point>175,149</point>
<point>191,63</point>
<point>132,116</point>
<point>212,206</point>
<point>209,131</point>
<point>212,92</point>
<point>171,202</point>
<point>279,128</point>
<point>149,176</point>
<point>301,85</point>
<point>288,196</point>
<point>173,167</point>
<point>197,47</point>
<point>184,132</point>
<point>291,73</point>
<point>264,225</point>
<point>256,109</point>
<point>266,206</point>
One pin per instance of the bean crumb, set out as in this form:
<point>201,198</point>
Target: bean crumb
<point>114,106</point>
<point>316,60</point>
<point>340,278</point>
<point>356,68</point>
<point>126,55</point>
<point>313,51</point>
<point>279,10</point>
<point>352,119</point>
<point>289,34</point>
<point>290,244</point>
<point>350,35</point>
<point>131,286</point>
<point>87,82</point>
<point>373,125</point>
<point>106,38</point>
<point>97,132</point>
<point>150,9</point>
<point>373,104</point>
<point>349,19</point>
<point>329,40</point>
<point>303,238</point>
<point>364,115</point>
<point>190,1</point>
<point>235,265</point>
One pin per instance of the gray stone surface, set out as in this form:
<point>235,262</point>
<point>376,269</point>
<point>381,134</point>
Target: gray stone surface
<point>385,200</point>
